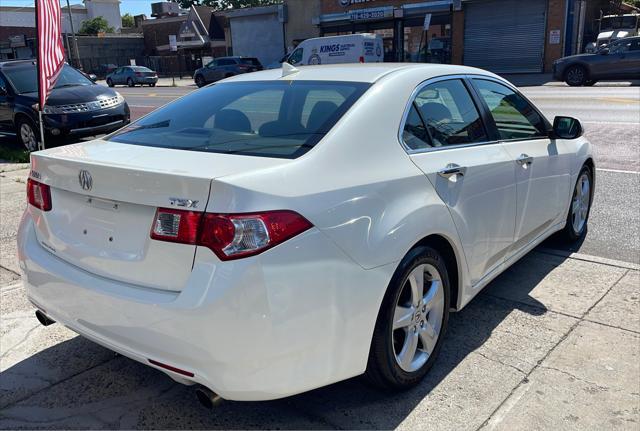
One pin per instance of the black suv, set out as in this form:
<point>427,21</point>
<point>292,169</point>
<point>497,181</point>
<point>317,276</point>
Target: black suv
<point>76,106</point>
<point>224,67</point>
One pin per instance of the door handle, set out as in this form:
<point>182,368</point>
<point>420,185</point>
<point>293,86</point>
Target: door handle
<point>452,170</point>
<point>524,160</point>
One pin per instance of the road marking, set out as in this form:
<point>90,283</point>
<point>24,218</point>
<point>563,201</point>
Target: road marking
<point>618,171</point>
<point>618,100</point>
<point>613,123</point>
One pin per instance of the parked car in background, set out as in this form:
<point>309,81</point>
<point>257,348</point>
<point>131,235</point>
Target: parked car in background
<point>279,231</point>
<point>614,27</point>
<point>76,107</point>
<point>131,76</point>
<point>351,48</point>
<point>618,60</point>
<point>225,67</point>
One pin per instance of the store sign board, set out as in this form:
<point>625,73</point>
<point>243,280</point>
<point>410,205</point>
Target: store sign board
<point>371,14</point>
<point>347,3</point>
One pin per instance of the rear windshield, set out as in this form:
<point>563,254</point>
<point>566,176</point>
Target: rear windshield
<point>252,61</point>
<point>141,69</point>
<point>282,119</point>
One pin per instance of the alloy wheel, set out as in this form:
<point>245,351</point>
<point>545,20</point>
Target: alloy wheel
<point>576,76</point>
<point>418,317</point>
<point>28,137</point>
<point>580,203</point>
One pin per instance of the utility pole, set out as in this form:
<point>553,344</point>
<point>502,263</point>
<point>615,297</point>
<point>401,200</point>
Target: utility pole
<point>75,40</point>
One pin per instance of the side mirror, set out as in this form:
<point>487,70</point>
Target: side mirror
<point>567,128</point>
<point>93,77</point>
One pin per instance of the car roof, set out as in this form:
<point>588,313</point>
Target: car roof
<point>16,63</point>
<point>367,72</point>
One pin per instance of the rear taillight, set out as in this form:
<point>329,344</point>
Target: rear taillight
<point>361,59</point>
<point>39,195</point>
<point>229,236</point>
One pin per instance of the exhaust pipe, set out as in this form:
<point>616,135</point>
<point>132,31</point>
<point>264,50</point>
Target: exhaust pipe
<point>43,319</point>
<point>207,397</point>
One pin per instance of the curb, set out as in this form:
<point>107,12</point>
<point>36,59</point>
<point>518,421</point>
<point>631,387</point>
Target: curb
<point>590,258</point>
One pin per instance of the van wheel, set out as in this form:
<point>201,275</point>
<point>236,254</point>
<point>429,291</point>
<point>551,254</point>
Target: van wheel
<point>411,323</point>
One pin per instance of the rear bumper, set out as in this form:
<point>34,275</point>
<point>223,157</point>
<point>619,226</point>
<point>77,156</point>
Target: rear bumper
<point>146,80</point>
<point>297,317</point>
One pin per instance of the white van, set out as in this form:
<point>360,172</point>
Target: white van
<point>352,48</point>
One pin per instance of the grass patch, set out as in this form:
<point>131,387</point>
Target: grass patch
<point>13,154</point>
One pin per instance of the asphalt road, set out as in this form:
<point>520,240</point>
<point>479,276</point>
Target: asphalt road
<point>611,117</point>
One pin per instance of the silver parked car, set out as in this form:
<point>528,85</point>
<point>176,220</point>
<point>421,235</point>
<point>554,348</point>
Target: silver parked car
<point>131,76</point>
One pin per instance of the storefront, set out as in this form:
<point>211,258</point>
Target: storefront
<point>412,31</point>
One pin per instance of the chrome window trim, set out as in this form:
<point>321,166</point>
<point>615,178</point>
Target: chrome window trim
<point>462,77</point>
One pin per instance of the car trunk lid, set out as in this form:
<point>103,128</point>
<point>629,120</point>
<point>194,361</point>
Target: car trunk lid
<point>105,197</point>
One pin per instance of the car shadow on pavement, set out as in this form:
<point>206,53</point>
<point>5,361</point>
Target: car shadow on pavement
<point>103,390</point>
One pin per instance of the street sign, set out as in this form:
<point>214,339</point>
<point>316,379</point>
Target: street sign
<point>173,42</point>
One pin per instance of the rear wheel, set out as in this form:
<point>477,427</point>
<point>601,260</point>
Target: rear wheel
<point>109,82</point>
<point>27,134</point>
<point>580,206</point>
<point>411,323</point>
<point>130,82</point>
<point>576,76</point>
<point>200,82</point>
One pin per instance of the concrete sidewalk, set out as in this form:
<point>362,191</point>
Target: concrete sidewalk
<point>553,343</point>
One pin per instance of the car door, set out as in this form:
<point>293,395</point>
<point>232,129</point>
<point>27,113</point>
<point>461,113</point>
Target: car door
<point>5,106</point>
<point>474,175</point>
<point>630,58</point>
<point>542,165</point>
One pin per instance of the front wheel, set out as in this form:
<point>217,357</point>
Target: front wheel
<point>412,321</point>
<point>580,206</point>
<point>576,76</point>
<point>109,82</point>
<point>27,134</point>
<point>130,82</point>
<point>200,82</point>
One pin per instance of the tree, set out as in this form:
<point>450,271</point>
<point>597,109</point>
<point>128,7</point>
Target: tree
<point>127,20</point>
<point>226,4</point>
<point>95,26</point>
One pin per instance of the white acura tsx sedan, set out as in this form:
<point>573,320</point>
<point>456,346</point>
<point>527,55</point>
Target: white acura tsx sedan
<point>283,230</point>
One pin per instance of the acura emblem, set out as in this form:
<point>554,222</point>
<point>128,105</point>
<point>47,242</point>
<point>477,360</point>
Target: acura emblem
<point>86,182</point>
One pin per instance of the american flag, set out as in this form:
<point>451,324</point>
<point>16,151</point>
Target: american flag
<point>50,48</point>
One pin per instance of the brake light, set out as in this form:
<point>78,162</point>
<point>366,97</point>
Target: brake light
<point>39,195</point>
<point>176,226</point>
<point>229,236</point>
<point>361,59</point>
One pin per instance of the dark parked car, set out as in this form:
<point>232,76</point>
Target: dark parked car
<point>618,60</point>
<point>131,76</point>
<point>76,106</point>
<point>104,69</point>
<point>225,67</point>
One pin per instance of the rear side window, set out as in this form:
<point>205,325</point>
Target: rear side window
<point>515,118</point>
<point>443,114</point>
<point>251,61</point>
<point>281,119</point>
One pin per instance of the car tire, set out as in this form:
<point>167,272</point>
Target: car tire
<point>200,82</point>
<point>152,85</point>
<point>580,206</point>
<point>109,83</point>
<point>27,133</point>
<point>406,318</point>
<point>130,82</point>
<point>576,76</point>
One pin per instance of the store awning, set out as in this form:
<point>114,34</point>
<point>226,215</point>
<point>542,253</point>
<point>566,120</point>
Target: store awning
<point>388,12</point>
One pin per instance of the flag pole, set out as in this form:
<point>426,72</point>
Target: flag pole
<point>41,145</point>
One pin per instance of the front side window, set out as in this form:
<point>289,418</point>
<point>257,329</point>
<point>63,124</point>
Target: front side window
<point>281,119</point>
<point>448,116</point>
<point>515,118</point>
<point>296,56</point>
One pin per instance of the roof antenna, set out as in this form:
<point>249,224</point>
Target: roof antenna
<point>288,69</point>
